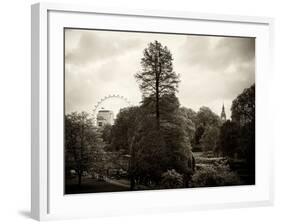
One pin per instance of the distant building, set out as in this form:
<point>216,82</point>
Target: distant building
<point>105,117</point>
<point>223,115</point>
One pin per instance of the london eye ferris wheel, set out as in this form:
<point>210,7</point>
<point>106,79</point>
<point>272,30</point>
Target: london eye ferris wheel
<point>113,103</point>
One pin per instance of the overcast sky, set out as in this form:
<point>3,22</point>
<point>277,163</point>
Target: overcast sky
<point>213,70</point>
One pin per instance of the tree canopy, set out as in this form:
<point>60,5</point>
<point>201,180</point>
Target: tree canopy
<point>83,145</point>
<point>243,107</point>
<point>237,137</point>
<point>163,134</point>
<point>207,125</point>
<point>157,78</point>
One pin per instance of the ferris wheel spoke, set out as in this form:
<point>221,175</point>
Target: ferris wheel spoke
<point>106,98</point>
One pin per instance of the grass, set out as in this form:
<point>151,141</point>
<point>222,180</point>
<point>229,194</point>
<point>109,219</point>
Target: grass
<point>90,185</point>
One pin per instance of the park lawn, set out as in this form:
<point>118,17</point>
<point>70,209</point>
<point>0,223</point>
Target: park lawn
<point>90,185</point>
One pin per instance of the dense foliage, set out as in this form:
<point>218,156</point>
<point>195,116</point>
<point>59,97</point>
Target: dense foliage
<point>83,144</point>
<point>172,179</point>
<point>215,174</point>
<point>237,137</point>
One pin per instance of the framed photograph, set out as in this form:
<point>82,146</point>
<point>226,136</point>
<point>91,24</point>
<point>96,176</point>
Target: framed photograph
<point>148,111</point>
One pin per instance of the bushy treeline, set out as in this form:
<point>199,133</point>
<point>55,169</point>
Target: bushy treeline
<point>154,149</point>
<point>233,139</point>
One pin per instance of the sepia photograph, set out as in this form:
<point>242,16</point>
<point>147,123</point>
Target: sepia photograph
<point>154,111</point>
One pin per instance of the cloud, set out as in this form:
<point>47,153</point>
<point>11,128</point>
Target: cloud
<point>92,47</point>
<point>217,53</point>
<point>214,70</point>
<point>86,85</point>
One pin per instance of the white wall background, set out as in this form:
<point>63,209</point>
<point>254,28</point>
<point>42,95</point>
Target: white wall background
<point>15,110</point>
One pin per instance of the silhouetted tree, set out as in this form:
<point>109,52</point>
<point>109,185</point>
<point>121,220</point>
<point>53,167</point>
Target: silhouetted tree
<point>243,114</point>
<point>243,107</point>
<point>162,134</point>
<point>82,142</point>
<point>229,139</point>
<point>157,77</point>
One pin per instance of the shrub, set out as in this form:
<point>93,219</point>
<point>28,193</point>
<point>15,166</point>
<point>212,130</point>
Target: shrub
<point>171,179</point>
<point>218,174</point>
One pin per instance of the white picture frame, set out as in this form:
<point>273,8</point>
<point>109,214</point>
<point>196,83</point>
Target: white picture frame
<point>47,198</point>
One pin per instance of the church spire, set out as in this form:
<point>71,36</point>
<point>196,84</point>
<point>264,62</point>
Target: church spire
<point>223,115</point>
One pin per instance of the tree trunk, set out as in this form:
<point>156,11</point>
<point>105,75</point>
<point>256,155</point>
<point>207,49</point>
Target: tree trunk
<point>132,164</point>
<point>132,183</point>
<point>157,113</point>
<point>157,102</point>
<point>79,179</point>
<point>187,179</point>
<point>81,156</point>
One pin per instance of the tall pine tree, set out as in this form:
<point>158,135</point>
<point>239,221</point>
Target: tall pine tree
<point>157,78</point>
